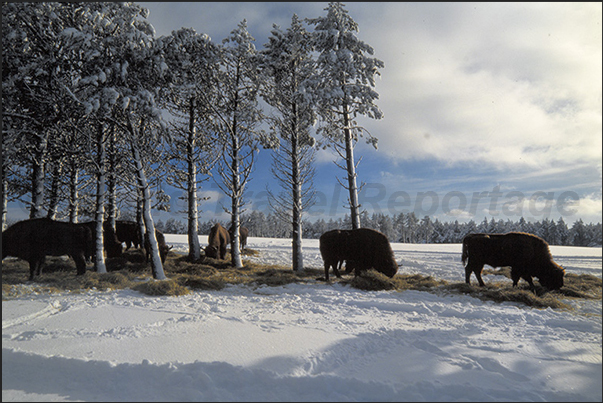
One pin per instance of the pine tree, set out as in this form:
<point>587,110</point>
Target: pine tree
<point>343,89</point>
<point>192,61</point>
<point>287,64</point>
<point>238,115</point>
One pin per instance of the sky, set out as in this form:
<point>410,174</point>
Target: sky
<point>491,110</point>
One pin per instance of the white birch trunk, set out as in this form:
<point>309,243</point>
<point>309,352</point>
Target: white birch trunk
<point>53,199</point>
<point>194,248</point>
<point>111,182</point>
<point>235,242</point>
<point>351,168</point>
<point>99,260</point>
<point>298,259</point>
<point>37,178</point>
<point>4,204</point>
<point>73,193</point>
<point>156,265</point>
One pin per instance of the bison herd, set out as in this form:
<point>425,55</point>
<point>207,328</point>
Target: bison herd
<point>361,249</point>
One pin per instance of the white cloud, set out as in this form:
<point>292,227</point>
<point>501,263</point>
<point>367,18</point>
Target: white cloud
<point>506,85</point>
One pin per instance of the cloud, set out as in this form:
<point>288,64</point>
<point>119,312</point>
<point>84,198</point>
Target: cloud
<point>510,85</point>
<point>474,95</point>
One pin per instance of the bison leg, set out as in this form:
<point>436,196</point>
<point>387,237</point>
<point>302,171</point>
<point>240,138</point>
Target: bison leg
<point>530,282</point>
<point>515,276</point>
<point>80,263</point>
<point>327,266</point>
<point>32,269</point>
<point>35,267</point>
<point>477,269</point>
<point>336,270</point>
<point>222,252</point>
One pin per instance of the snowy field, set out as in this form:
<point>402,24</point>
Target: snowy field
<point>310,342</point>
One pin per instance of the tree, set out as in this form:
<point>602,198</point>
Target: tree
<point>238,114</point>
<point>119,67</point>
<point>287,64</point>
<point>192,61</point>
<point>343,89</point>
<point>34,75</point>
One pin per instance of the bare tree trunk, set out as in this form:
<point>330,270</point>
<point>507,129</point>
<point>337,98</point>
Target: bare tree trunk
<point>235,242</point>
<point>194,253</point>
<point>351,168</point>
<point>4,203</point>
<point>53,198</point>
<point>143,185</point>
<point>298,259</point>
<point>99,261</point>
<point>111,181</point>
<point>139,220</point>
<point>73,193</point>
<point>37,177</point>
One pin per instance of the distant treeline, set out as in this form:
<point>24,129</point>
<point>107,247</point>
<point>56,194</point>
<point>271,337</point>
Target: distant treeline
<point>407,228</point>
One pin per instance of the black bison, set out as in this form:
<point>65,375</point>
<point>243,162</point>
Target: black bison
<point>111,244</point>
<point>218,241</point>
<point>361,248</point>
<point>243,233</point>
<point>128,232</point>
<point>32,240</point>
<point>164,249</point>
<point>526,254</point>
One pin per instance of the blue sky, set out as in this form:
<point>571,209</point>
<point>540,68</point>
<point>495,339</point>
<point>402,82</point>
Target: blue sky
<point>490,109</point>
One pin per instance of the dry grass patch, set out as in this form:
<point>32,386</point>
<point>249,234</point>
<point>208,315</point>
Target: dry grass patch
<point>130,271</point>
<point>372,280</point>
<point>507,293</point>
<point>169,287</point>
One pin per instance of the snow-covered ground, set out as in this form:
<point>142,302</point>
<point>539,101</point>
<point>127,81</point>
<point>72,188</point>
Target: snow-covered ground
<point>304,342</point>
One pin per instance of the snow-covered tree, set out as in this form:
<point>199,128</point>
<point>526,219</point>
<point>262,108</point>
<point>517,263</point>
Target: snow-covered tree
<point>343,89</point>
<point>238,115</point>
<point>34,74</point>
<point>192,61</point>
<point>116,86</point>
<point>287,64</point>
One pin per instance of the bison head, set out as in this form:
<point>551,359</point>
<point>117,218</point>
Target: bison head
<point>554,279</point>
<point>211,251</point>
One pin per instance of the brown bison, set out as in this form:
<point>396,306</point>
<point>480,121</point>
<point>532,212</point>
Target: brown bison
<point>527,254</point>
<point>361,248</point>
<point>32,240</point>
<point>218,241</point>
<point>128,232</point>
<point>111,244</point>
<point>163,248</point>
<point>243,233</point>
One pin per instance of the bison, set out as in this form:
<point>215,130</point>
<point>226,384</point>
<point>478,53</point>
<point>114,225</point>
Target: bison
<point>528,256</point>
<point>128,232</point>
<point>218,241</point>
<point>163,248</point>
<point>34,239</point>
<point>243,233</point>
<point>361,248</point>
<point>111,244</point>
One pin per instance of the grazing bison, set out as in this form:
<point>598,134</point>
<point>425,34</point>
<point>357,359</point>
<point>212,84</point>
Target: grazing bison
<point>243,233</point>
<point>111,244</point>
<point>218,240</point>
<point>32,240</point>
<point>361,248</point>
<point>128,232</point>
<point>163,248</point>
<point>527,254</point>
